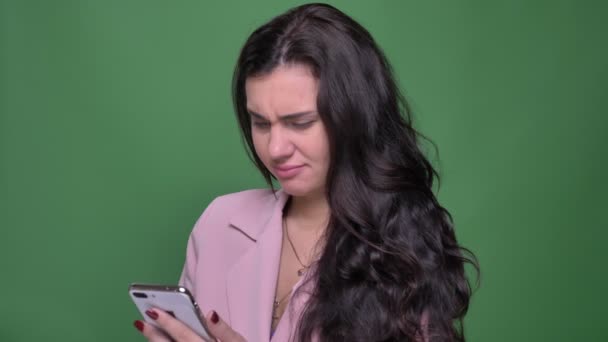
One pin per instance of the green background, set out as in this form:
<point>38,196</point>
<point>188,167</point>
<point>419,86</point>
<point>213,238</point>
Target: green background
<point>116,130</point>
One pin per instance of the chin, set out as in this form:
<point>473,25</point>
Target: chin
<point>294,190</point>
<point>298,190</point>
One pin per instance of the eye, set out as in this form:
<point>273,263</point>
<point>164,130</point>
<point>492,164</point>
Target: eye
<point>261,124</point>
<point>302,125</point>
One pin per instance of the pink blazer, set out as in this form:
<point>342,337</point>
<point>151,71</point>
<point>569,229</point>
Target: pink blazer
<point>232,263</point>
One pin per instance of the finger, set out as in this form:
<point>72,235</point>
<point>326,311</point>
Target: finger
<point>150,332</point>
<point>221,330</point>
<point>175,328</point>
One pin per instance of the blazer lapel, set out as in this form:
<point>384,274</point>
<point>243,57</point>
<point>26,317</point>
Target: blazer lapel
<point>251,282</point>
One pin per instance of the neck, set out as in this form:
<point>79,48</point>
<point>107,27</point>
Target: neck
<point>312,212</point>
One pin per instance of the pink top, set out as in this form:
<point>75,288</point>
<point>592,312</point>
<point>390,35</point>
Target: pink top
<point>232,263</point>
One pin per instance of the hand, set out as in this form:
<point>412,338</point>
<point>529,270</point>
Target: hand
<point>179,332</point>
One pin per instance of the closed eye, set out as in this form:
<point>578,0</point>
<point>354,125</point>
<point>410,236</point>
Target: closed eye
<point>301,125</point>
<point>261,124</point>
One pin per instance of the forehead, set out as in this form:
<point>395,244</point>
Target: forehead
<point>287,89</point>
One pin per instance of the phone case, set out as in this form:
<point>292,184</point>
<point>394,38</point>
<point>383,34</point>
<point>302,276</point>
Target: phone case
<point>176,300</point>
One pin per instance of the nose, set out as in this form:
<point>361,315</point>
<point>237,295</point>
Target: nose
<point>280,146</point>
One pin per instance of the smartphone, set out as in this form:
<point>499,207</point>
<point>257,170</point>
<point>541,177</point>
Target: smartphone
<point>175,300</point>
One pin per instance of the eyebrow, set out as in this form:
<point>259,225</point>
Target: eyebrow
<point>291,116</point>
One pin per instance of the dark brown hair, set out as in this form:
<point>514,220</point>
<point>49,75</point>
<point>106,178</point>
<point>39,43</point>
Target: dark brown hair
<point>391,253</point>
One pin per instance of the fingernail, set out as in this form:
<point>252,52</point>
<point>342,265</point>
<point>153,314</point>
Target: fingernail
<point>139,325</point>
<point>215,318</point>
<point>152,314</point>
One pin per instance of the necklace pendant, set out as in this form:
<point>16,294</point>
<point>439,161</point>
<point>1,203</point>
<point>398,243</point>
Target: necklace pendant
<point>275,306</point>
<point>300,272</point>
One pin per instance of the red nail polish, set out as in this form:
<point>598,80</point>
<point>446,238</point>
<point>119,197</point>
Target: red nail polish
<point>139,325</point>
<point>152,314</point>
<point>215,318</point>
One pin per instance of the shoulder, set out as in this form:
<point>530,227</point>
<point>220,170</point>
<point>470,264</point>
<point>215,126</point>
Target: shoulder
<point>253,198</point>
<point>223,233</point>
<point>253,201</point>
<point>244,210</point>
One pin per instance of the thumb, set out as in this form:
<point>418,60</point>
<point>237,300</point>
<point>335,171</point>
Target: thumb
<point>221,330</point>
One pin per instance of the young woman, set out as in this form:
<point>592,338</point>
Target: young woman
<point>354,246</point>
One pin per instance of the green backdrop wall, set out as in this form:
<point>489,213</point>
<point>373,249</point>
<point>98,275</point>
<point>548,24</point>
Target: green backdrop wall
<point>116,130</point>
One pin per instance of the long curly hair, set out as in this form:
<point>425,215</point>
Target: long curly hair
<point>391,261</point>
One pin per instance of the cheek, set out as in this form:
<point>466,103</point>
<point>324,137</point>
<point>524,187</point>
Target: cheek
<point>323,145</point>
<point>259,146</point>
<point>318,148</point>
<point>321,153</point>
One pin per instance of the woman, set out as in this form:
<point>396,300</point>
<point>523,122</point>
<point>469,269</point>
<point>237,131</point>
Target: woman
<point>354,246</point>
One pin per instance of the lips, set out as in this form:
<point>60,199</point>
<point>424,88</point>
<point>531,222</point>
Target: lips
<point>287,171</point>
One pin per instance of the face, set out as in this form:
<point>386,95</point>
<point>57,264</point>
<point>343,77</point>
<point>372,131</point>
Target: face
<point>288,134</point>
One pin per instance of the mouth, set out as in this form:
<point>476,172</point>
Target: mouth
<point>287,171</point>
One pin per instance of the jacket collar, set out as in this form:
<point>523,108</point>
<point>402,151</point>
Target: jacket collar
<point>252,217</point>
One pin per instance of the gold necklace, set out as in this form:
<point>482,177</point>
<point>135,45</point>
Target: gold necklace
<point>277,302</point>
<point>275,307</point>
<point>304,267</point>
